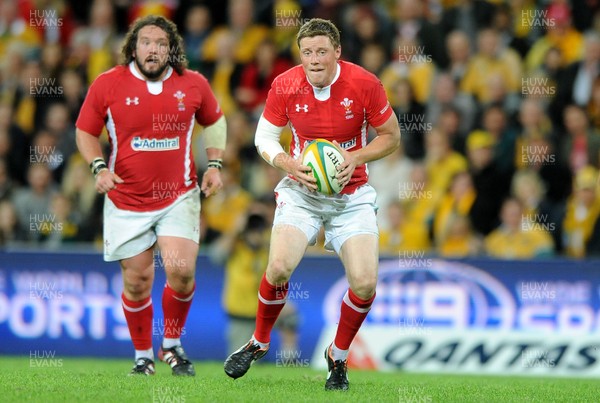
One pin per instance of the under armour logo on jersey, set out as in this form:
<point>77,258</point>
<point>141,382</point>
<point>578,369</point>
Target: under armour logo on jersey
<point>303,108</point>
<point>132,101</point>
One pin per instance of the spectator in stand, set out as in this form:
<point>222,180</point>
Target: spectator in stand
<point>417,196</point>
<point>33,203</point>
<point>495,122</point>
<point>527,187</point>
<point>446,95</point>
<point>373,58</point>
<point>6,184</point>
<point>491,184</point>
<point>491,60</point>
<point>97,37</point>
<point>402,235</point>
<point>13,145</point>
<point>329,10</point>
<point>514,240</point>
<point>547,76</point>
<point>224,73</point>
<point>442,162</point>
<point>535,125</point>
<point>581,218</point>
<point>44,150</point>
<point>197,29</point>
<point>387,176</point>
<point>459,240</point>
<point>222,211</point>
<point>9,225</point>
<point>366,24</point>
<point>15,29</point>
<point>469,16</point>
<point>546,83</point>
<point>51,60</point>
<point>61,225</point>
<point>56,25</point>
<point>562,36</point>
<point>551,66</point>
<point>256,78</point>
<point>500,94</point>
<point>286,14</point>
<point>411,115</point>
<point>25,96</point>
<point>245,252</point>
<point>510,36</point>
<point>581,146</point>
<point>413,27</point>
<point>143,8</point>
<point>449,124</point>
<point>246,34</point>
<point>80,188</point>
<point>57,122</point>
<point>574,82</point>
<point>409,63</point>
<point>593,107</point>
<point>557,176</point>
<point>73,88</point>
<point>459,53</point>
<point>457,201</point>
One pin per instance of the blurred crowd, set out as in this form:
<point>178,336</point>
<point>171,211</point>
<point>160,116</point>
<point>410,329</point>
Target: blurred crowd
<point>498,104</point>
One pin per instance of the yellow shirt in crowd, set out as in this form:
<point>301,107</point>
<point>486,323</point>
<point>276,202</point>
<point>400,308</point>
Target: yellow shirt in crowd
<point>243,272</point>
<point>503,244</point>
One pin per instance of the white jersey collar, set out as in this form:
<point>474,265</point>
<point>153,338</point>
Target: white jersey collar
<point>154,87</point>
<point>323,94</point>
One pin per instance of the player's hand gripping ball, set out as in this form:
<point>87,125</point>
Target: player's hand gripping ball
<point>323,158</point>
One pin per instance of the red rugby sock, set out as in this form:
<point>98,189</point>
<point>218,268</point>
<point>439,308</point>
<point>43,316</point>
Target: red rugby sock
<point>353,313</point>
<point>175,308</point>
<point>271,299</point>
<point>139,320</point>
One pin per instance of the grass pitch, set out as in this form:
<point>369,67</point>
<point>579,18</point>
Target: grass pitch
<point>96,380</point>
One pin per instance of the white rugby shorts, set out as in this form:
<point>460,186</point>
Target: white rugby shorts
<point>342,216</point>
<point>129,233</point>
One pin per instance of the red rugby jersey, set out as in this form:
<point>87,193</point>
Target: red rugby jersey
<point>150,127</point>
<point>340,112</point>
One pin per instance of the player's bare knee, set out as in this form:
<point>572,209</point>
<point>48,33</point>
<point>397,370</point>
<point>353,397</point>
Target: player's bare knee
<point>278,271</point>
<point>364,287</point>
<point>137,290</point>
<point>181,283</point>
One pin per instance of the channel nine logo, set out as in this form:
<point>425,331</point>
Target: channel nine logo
<point>446,295</point>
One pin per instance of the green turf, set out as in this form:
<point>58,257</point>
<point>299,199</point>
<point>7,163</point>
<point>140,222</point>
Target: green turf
<point>95,380</point>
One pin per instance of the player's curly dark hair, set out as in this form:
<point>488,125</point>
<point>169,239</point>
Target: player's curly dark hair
<point>176,59</point>
<point>317,27</point>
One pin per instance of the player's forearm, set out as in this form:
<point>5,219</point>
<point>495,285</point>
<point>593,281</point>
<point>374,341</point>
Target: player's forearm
<point>284,161</point>
<point>380,147</point>
<point>386,142</point>
<point>88,145</point>
<point>267,143</point>
<point>216,139</point>
<point>214,153</point>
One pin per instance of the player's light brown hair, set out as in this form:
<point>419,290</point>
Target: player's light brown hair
<point>176,59</point>
<point>319,27</point>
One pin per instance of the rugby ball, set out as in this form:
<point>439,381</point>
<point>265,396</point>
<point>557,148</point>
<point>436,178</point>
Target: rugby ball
<point>323,157</point>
